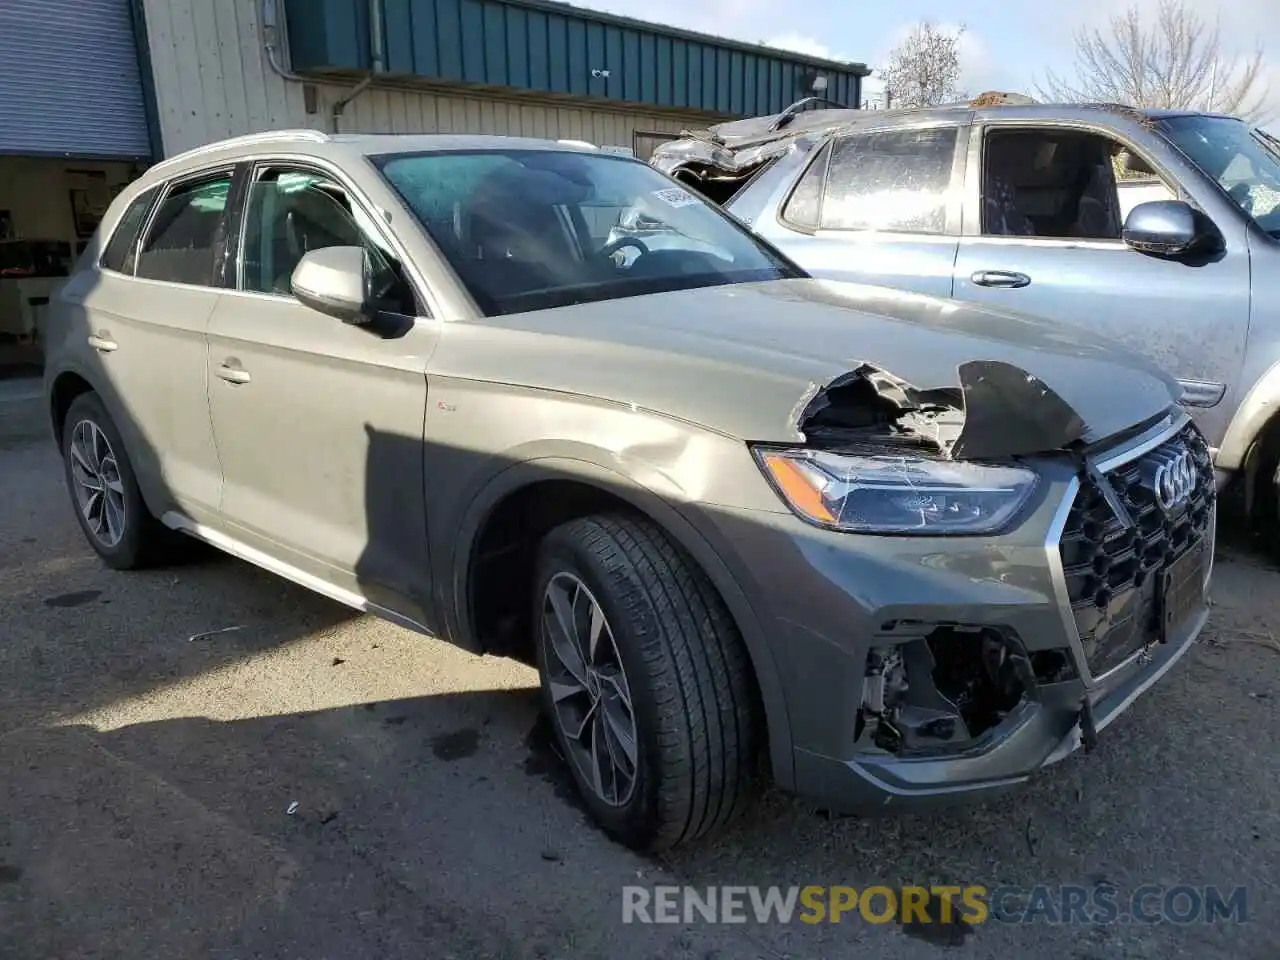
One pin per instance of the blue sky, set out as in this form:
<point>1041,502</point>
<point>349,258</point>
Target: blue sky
<point>1006,47</point>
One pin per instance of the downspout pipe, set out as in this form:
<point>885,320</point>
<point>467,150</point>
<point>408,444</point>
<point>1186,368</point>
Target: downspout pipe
<point>341,105</point>
<point>271,39</point>
<point>377,61</point>
<point>377,39</point>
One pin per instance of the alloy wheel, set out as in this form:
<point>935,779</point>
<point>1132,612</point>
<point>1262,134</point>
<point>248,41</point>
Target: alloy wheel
<point>98,487</point>
<point>588,688</point>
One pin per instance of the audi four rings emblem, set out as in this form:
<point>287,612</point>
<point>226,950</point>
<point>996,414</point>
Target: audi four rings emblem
<point>1175,480</point>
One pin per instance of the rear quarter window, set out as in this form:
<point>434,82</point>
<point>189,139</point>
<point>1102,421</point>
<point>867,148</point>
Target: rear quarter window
<point>803,208</point>
<point>123,243</point>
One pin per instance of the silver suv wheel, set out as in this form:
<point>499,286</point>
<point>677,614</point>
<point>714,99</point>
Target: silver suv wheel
<point>588,686</point>
<point>104,491</point>
<point>99,489</point>
<point>645,679</point>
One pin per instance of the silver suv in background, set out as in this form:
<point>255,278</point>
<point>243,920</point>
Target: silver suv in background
<point>1159,230</point>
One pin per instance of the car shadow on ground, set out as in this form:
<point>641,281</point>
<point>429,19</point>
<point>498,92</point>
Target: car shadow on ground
<point>376,827</point>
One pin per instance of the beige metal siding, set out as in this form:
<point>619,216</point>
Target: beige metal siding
<point>213,80</point>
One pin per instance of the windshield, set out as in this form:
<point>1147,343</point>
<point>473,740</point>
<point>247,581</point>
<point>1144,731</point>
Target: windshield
<point>535,229</point>
<point>1243,161</point>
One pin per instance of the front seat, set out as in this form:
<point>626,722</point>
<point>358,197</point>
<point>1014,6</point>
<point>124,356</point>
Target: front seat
<point>1097,216</point>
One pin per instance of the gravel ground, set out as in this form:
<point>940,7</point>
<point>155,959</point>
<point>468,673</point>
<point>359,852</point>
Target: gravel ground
<point>147,779</point>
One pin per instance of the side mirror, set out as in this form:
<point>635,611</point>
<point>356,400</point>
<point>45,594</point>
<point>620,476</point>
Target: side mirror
<point>335,282</point>
<point>1167,228</point>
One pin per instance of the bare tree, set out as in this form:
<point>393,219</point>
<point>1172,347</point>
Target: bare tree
<point>924,69</point>
<point>1175,60</point>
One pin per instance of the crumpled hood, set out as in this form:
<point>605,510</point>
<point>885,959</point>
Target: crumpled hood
<point>754,360</point>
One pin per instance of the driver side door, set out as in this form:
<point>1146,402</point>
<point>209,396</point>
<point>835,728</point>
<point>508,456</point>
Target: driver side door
<point>319,424</point>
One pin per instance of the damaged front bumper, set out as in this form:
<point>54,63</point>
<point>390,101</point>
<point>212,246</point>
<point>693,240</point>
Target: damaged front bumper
<point>919,670</point>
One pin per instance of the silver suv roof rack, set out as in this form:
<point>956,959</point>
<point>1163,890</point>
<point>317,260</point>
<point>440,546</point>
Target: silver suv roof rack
<point>248,139</point>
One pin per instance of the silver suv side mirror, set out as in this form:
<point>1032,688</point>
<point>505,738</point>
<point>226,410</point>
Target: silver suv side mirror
<point>1167,228</point>
<point>335,282</point>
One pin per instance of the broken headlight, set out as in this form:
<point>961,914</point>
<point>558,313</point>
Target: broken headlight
<point>897,495</point>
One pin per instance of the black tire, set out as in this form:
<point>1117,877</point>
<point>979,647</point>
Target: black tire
<point>695,705</point>
<point>1266,501</point>
<point>145,541</point>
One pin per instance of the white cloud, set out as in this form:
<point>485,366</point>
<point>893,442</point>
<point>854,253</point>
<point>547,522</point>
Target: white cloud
<point>978,70</point>
<point>746,20</point>
<point>801,43</point>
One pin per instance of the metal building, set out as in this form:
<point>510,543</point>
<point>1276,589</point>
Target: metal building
<point>91,91</point>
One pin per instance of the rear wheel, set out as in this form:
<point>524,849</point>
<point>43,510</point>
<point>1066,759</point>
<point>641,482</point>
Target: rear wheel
<point>104,491</point>
<point>646,681</point>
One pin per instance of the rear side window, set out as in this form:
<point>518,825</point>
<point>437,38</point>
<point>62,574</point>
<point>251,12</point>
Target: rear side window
<point>895,180</point>
<point>119,252</point>
<point>185,233</point>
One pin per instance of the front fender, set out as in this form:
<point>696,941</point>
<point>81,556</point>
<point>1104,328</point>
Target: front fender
<point>654,494</point>
<point>1259,406</point>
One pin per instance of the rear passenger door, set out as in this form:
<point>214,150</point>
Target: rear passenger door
<point>146,324</point>
<point>877,207</point>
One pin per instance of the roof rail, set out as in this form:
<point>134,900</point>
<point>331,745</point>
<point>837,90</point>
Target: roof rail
<point>248,139</point>
<point>800,106</point>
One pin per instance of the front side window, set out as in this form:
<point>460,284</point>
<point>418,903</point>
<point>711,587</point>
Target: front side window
<point>894,181</point>
<point>1242,161</point>
<point>1136,181</point>
<point>185,233</point>
<point>292,212</point>
<point>536,229</point>
<point>1062,184</point>
<point>120,249</point>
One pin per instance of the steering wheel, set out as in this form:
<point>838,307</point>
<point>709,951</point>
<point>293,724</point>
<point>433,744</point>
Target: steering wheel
<point>609,249</point>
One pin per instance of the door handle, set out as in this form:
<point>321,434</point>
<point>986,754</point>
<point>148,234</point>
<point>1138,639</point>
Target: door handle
<point>231,371</point>
<point>1001,278</point>
<point>102,342</point>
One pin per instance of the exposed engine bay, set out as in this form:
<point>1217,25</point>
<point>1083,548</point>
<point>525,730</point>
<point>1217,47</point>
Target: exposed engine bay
<point>998,411</point>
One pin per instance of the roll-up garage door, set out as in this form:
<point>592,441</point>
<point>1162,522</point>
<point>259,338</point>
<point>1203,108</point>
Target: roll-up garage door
<point>69,80</point>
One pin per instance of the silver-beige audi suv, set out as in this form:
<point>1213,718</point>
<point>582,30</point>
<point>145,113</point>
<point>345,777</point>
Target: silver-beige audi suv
<point>883,548</point>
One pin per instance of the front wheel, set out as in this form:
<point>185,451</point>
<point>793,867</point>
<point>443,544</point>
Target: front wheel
<point>646,681</point>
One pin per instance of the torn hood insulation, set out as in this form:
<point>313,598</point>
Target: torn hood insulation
<point>838,365</point>
<point>999,410</point>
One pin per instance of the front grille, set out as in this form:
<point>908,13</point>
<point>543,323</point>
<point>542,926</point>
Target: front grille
<point>1112,570</point>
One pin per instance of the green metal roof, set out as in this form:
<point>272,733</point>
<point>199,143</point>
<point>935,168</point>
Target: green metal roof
<point>541,46</point>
